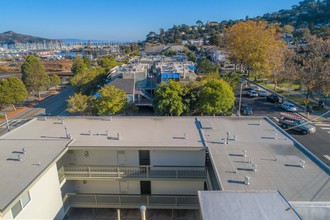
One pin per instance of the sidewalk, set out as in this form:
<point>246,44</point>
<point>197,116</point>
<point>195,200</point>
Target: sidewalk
<point>315,115</point>
<point>32,101</point>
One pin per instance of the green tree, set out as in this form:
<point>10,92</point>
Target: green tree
<point>303,33</point>
<point>216,97</point>
<point>206,66</point>
<point>87,61</point>
<point>78,65</point>
<point>288,28</point>
<point>168,99</point>
<point>78,103</point>
<point>108,63</point>
<point>34,75</point>
<point>199,23</point>
<point>55,80</point>
<point>111,100</point>
<point>12,90</point>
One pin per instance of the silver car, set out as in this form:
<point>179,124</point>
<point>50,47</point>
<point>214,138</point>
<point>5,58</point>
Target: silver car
<point>262,93</point>
<point>289,107</point>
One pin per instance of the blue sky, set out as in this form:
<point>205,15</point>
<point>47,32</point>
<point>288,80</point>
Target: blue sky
<point>122,20</point>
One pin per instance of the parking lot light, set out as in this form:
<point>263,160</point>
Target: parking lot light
<point>240,99</point>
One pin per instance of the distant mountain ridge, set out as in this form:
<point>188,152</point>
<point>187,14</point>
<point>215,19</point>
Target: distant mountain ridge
<point>10,37</point>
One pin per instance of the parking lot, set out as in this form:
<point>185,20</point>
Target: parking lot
<point>317,143</point>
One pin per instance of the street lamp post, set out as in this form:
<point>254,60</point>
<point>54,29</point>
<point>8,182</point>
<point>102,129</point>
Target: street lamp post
<point>240,99</point>
<point>6,121</point>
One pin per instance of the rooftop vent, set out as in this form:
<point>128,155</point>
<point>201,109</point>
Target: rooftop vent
<point>254,167</point>
<point>206,125</point>
<point>19,157</point>
<point>302,163</point>
<point>23,150</point>
<point>244,153</point>
<point>247,180</point>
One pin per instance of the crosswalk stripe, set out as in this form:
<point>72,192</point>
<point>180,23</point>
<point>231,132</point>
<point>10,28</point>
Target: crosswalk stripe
<point>325,128</point>
<point>323,125</point>
<point>327,156</point>
<point>276,119</point>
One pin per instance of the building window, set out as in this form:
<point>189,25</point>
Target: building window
<point>25,199</point>
<point>17,208</point>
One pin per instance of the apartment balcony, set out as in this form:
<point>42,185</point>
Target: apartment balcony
<point>75,172</point>
<point>130,201</point>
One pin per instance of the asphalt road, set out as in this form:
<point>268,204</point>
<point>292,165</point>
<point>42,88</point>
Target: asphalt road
<point>54,105</point>
<point>318,143</point>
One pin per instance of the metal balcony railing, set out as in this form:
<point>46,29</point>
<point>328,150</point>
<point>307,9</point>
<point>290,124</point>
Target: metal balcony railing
<point>130,201</point>
<point>138,172</point>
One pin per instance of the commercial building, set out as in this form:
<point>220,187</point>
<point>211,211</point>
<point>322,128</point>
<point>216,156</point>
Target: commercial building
<point>50,166</point>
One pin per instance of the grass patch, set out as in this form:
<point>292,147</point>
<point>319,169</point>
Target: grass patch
<point>285,85</point>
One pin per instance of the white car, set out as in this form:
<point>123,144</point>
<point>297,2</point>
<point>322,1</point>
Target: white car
<point>252,93</point>
<point>289,107</point>
<point>262,93</point>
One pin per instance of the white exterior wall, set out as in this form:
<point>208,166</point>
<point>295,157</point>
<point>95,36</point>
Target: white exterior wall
<point>103,187</point>
<point>104,157</point>
<point>46,201</point>
<point>176,187</point>
<point>177,158</point>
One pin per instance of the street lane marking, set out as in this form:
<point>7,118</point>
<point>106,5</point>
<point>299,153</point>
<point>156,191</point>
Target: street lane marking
<point>327,156</point>
<point>323,125</point>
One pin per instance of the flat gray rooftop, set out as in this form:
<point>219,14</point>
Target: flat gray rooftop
<point>267,205</point>
<point>17,175</point>
<point>276,158</point>
<point>275,155</point>
<point>134,132</point>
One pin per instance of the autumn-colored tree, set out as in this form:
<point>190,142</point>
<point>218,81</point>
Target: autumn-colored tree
<point>290,69</point>
<point>251,44</point>
<point>314,66</point>
<point>277,63</point>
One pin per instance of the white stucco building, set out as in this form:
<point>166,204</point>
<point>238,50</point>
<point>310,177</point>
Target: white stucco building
<point>50,166</point>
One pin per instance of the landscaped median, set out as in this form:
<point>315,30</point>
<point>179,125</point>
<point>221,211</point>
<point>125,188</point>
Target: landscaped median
<point>297,98</point>
<point>290,93</point>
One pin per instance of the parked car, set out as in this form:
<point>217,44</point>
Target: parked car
<point>254,87</point>
<point>262,93</point>
<point>295,122</point>
<point>246,110</point>
<point>252,93</point>
<point>289,107</point>
<point>273,98</point>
